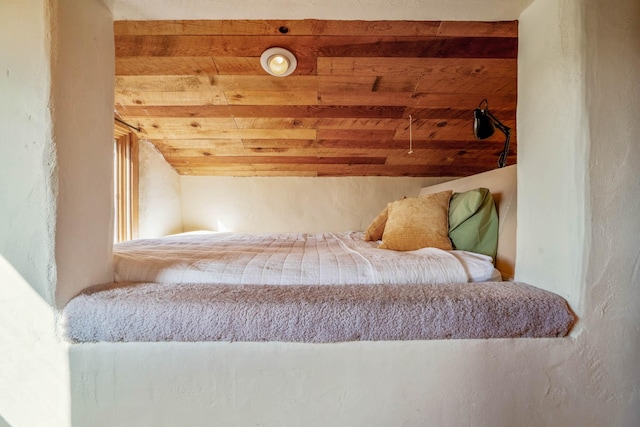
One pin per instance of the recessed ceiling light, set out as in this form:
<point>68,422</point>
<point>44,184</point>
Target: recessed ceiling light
<point>278,62</point>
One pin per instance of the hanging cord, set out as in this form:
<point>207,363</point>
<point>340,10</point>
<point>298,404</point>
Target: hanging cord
<point>127,124</point>
<point>410,137</point>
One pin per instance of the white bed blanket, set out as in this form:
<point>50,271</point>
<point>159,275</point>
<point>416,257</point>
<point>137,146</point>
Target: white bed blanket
<point>289,259</point>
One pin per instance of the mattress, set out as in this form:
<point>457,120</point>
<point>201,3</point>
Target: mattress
<point>290,259</point>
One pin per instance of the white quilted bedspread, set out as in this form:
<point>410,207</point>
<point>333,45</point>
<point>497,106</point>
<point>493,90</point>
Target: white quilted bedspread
<point>289,259</point>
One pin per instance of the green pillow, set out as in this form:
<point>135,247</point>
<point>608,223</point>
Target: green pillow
<point>473,222</point>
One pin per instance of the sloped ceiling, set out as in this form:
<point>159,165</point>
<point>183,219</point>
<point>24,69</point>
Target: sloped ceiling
<point>197,91</point>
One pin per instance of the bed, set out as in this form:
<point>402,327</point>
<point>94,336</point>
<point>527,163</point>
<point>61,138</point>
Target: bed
<point>427,267</point>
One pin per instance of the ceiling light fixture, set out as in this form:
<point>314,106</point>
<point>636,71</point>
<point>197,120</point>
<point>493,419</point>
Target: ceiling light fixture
<point>278,62</point>
<point>485,124</point>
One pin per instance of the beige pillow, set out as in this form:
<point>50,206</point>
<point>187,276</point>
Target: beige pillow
<point>376,228</point>
<point>418,222</point>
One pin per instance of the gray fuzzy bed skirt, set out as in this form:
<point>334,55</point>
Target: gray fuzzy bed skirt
<point>317,314</point>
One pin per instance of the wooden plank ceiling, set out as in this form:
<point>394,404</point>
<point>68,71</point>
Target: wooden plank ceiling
<point>196,90</point>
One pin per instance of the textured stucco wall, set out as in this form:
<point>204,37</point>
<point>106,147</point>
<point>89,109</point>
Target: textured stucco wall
<point>27,162</point>
<point>589,379</point>
<point>610,291</point>
<point>82,110</point>
<point>290,204</point>
<point>579,172</point>
<point>553,160</point>
<point>160,206</point>
<point>475,10</point>
<point>34,367</point>
<point>588,251</point>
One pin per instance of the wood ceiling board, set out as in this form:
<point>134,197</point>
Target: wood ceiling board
<point>164,83</point>
<point>237,65</point>
<point>244,173</point>
<point>191,143</point>
<point>255,147</point>
<point>393,155</point>
<point>257,97</point>
<point>352,83</point>
<point>179,123</point>
<point>316,46</point>
<point>424,47</point>
<point>355,134</point>
<point>242,82</point>
<point>360,123</point>
<point>317,27</point>
<point>387,99</point>
<point>387,152</point>
<point>399,99</point>
<point>211,96</point>
<point>197,132</point>
<point>393,83</point>
<point>474,84</point>
<point>159,66</point>
<point>345,109</point>
<point>228,151</point>
<point>479,29</point>
<point>266,111</point>
<point>256,166</point>
<point>363,143</point>
<point>338,171</point>
<point>404,144</point>
<point>433,67</point>
<point>270,27</point>
<point>425,157</point>
<point>267,83</point>
<point>275,123</point>
<point>402,170</point>
<point>295,161</point>
<point>278,143</point>
<point>422,130</point>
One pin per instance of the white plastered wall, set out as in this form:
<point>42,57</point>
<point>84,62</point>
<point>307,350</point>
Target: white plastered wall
<point>159,197</point>
<point>56,109</point>
<point>290,204</point>
<point>473,10</point>
<point>27,162</point>
<point>589,379</point>
<point>552,169</point>
<point>34,371</point>
<point>82,113</point>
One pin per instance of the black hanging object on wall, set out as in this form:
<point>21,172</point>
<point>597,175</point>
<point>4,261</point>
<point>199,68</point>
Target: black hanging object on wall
<point>485,124</point>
